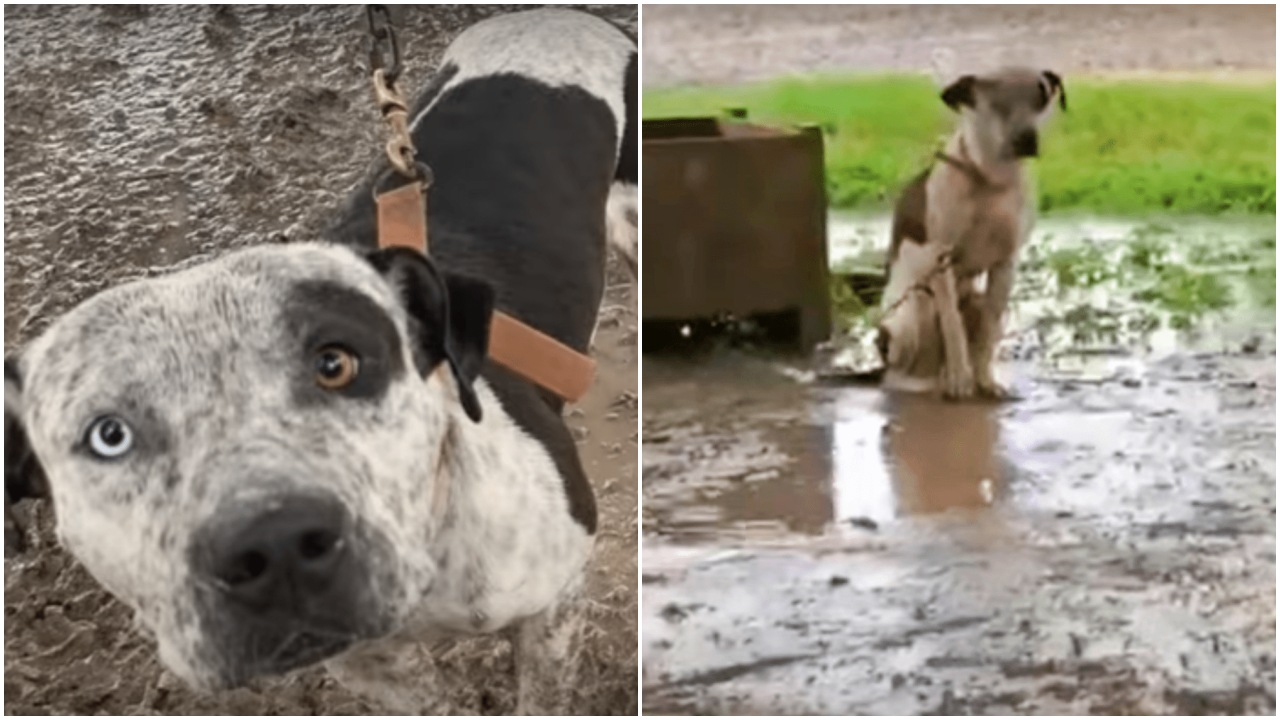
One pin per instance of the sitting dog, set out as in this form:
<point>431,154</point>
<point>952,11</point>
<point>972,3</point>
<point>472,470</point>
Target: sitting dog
<point>958,227</point>
<point>300,453</point>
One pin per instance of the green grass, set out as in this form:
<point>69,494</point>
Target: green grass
<point>1162,272</point>
<point>1124,147</point>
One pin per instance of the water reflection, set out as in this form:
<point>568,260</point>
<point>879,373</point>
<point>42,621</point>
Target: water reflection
<point>767,457</point>
<point>916,455</point>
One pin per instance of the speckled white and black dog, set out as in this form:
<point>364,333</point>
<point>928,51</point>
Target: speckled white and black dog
<point>299,453</point>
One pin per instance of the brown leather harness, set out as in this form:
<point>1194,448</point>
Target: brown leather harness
<point>533,355</point>
<point>402,222</point>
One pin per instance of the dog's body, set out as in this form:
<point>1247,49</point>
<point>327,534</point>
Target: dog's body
<point>295,454</point>
<point>955,238</point>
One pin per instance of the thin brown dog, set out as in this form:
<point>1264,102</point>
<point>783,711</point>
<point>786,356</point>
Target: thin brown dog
<point>956,233</point>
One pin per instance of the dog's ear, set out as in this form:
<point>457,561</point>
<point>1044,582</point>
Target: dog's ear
<point>451,314</point>
<point>960,92</point>
<point>1055,86</point>
<point>23,476</point>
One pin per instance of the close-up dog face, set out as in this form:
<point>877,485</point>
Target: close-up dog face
<point>238,449</point>
<point>1003,111</point>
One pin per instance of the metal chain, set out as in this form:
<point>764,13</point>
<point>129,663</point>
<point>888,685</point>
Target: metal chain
<point>922,285</point>
<point>384,39</point>
<point>395,111</point>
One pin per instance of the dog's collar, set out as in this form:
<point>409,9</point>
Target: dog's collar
<point>533,355</point>
<point>968,167</point>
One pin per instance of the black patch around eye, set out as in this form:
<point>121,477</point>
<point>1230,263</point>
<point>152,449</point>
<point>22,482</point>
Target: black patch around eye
<point>324,315</point>
<point>1044,96</point>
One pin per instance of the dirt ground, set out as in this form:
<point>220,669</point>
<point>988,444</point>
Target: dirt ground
<point>1105,545</point>
<point>141,138</point>
<point>727,43</point>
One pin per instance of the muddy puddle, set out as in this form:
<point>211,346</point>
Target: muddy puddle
<point>1106,544</point>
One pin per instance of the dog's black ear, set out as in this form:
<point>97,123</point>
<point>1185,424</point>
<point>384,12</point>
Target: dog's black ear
<point>1055,85</point>
<point>451,313</point>
<point>23,476</point>
<point>959,92</point>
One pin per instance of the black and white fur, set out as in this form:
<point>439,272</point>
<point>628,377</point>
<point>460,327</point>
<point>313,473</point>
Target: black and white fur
<point>450,493</point>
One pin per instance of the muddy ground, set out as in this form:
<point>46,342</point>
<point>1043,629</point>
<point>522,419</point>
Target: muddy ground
<point>140,138</point>
<point>1106,544</point>
<point>726,43</point>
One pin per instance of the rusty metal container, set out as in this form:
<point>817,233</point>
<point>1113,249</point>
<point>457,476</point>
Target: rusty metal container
<point>735,222</point>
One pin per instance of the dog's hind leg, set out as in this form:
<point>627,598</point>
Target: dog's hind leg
<point>908,338</point>
<point>911,346</point>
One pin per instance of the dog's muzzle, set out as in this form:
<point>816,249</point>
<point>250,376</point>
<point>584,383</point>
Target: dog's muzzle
<point>1026,144</point>
<point>282,584</point>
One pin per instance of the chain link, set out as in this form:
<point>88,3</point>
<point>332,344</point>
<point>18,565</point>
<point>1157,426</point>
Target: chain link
<point>383,35</point>
<point>922,285</point>
<point>391,104</point>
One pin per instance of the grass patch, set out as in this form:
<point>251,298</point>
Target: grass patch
<point>1158,275</point>
<point>1125,147</point>
<point>1084,284</point>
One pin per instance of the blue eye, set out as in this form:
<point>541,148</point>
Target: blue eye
<point>109,437</point>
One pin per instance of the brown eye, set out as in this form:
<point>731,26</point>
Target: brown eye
<point>336,367</point>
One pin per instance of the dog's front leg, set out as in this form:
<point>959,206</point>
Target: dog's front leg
<point>957,371</point>
<point>546,647</point>
<point>987,339</point>
<point>396,675</point>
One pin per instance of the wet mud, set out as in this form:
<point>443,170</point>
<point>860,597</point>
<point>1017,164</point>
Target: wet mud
<point>1104,544</point>
<point>143,138</point>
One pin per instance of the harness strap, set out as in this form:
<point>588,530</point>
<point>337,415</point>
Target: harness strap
<point>540,358</point>
<point>400,214</point>
<point>533,355</point>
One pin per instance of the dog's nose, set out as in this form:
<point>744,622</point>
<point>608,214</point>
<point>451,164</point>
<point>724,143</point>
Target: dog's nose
<point>286,581</point>
<point>281,556</point>
<point>1026,144</point>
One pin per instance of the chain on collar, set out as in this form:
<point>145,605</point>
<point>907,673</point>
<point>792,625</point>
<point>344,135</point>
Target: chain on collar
<point>921,285</point>
<point>385,64</point>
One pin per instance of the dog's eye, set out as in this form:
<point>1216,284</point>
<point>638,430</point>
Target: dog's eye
<point>336,367</point>
<point>109,437</point>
